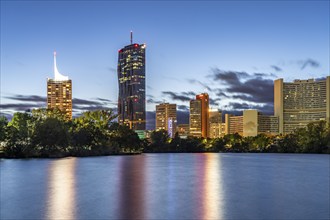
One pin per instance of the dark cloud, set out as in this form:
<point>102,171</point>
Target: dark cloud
<point>190,93</point>
<point>227,77</point>
<point>103,100</point>
<point>152,101</point>
<point>213,101</point>
<point>255,88</point>
<point>28,102</point>
<point>271,75</point>
<point>194,81</point>
<point>21,106</point>
<point>236,108</point>
<point>308,62</point>
<point>183,108</point>
<point>221,94</point>
<point>174,96</point>
<point>27,98</point>
<point>276,68</point>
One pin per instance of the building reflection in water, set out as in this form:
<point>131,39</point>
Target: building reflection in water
<point>213,203</point>
<point>132,188</point>
<point>61,195</point>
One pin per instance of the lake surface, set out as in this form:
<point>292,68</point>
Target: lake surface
<point>167,186</point>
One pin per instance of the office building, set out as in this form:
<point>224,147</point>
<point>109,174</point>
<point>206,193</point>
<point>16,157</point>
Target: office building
<point>199,116</point>
<point>301,102</point>
<point>234,124</point>
<point>195,118</point>
<point>59,92</point>
<point>251,123</point>
<point>215,123</point>
<point>204,99</point>
<point>164,111</point>
<point>131,80</point>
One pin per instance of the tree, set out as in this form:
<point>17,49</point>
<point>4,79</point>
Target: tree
<point>52,136</point>
<point>3,128</point>
<point>18,136</point>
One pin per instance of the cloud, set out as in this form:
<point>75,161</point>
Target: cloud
<point>183,108</point>
<point>236,108</point>
<point>175,96</point>
<point>27,98</point>
<point>28,102</point>
<point>240,85</point>
<point>190,93</point>
<point>276,68</point>
<point>194,81</point>
<point>152,101</point>
<point>308,62</point>
<point>20,106</point>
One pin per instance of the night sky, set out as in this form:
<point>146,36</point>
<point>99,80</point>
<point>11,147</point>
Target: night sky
<point>233,50</point>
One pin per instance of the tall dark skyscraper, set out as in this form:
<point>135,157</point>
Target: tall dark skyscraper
<point>131,79</point>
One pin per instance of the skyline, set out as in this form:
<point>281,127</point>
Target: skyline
<point>222,48</point>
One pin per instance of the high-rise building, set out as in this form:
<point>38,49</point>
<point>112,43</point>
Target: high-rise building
<point>131,80</point>
<point>164,111</point>
<point>215,123</point>
<point>199,116</point>
<point>204,98</point>
<point>195,118</point>
<point>59,92</point>
<point>300,102</point>
<point>234,124</point>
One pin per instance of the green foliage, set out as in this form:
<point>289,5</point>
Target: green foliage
<point>48,133</point>
<point>3,128</point>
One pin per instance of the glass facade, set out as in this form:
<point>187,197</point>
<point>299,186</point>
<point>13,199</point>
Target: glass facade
<point>131,80</point>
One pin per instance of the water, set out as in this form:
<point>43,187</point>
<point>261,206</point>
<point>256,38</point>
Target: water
<point>167,186</point>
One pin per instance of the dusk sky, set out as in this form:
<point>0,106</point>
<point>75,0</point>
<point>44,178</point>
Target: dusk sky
<point>233,50</point>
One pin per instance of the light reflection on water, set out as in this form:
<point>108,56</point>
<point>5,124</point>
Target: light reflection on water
<point>167,186</point>
<point>61,198</point>
<point>213,195</point>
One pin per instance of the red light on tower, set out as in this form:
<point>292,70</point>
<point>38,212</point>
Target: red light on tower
<point>120,50</point>
<point>136,45</point>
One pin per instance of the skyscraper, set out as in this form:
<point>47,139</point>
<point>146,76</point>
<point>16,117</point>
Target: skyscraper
<point>199,116</point>
<point>131,80</point>
<point>59,92</point>
<point>300,102</point>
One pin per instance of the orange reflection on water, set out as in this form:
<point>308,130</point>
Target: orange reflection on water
<point>213,195</point>
<point>61,189</point>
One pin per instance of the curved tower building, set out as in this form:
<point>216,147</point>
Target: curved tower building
<point>59,92</point>
<point>131,79</point>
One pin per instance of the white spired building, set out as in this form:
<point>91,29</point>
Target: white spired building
<point>300,102</point>
<point>59,92</point>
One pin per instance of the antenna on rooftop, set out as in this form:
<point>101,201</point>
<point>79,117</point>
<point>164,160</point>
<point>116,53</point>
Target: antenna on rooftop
<point>131,37</point>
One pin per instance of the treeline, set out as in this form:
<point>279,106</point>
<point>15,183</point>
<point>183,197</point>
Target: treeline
<point>315,138</point>
<point>46,133</point>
